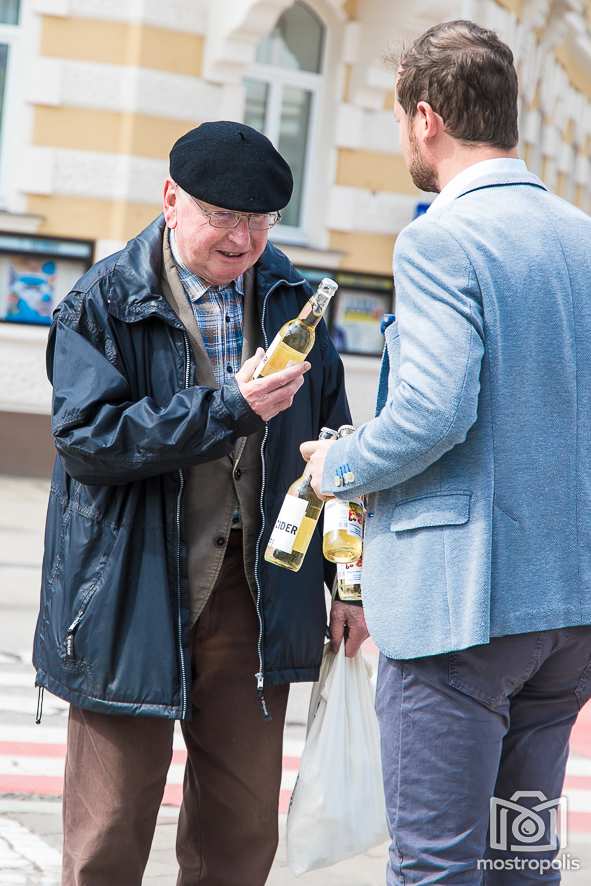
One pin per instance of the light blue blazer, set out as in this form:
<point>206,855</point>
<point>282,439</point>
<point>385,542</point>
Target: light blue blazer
<point>478,467</point>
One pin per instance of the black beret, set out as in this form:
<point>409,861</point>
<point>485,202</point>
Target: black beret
<point>233,166</point>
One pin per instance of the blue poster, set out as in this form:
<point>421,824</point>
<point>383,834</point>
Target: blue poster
<point>31,290</point>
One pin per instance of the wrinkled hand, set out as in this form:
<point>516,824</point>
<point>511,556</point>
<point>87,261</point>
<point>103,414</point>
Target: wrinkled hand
<point>314,452</point>
<point>349,622</point>
<point>269,395</point>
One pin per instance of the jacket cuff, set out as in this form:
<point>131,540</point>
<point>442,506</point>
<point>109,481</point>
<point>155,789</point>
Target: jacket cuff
<point>334,459</point>
<point>245,419</point>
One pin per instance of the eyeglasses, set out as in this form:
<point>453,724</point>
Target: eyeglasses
<point>224,218</point>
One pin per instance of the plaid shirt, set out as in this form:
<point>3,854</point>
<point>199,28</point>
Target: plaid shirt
<point>219,312</point>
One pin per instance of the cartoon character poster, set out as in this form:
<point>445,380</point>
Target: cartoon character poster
<point>31,290</point>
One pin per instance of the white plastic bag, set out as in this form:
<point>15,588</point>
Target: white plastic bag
<point>337,808</point>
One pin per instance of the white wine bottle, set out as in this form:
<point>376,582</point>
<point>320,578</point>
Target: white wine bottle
<point>295,339</point>
<point>297,520</point>
<point>343,524</point>
<point>349,581</point>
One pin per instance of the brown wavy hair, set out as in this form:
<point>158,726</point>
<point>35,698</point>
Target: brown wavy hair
<point>466,73</point>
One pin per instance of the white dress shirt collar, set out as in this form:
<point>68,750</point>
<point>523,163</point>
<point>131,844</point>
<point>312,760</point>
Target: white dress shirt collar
<point>499,166</point>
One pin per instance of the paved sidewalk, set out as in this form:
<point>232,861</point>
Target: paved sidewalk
<point>33,829</point>
<point>30,838</point>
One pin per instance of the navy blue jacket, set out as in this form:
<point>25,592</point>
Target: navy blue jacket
<point>128,418</point>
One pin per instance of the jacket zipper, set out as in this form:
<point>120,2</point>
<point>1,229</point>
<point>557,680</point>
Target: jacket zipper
<point>178,558</point>
<point>69,641</point>
<point>70,653</point>
<point>260,674</point>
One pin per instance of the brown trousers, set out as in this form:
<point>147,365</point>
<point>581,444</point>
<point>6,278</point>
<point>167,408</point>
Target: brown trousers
<point>116,765</point>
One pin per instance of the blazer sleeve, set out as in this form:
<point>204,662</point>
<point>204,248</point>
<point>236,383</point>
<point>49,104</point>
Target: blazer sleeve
<point>435,400</point>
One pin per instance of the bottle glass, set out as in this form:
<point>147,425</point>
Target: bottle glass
<point>295,339</point>
<point>349,581</point>
<point>297,520</point>
<point>343,524</point>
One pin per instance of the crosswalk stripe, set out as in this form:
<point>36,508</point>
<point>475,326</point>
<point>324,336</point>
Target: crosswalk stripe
<point>19,704</point>
<point>43,734</point>
<point>30,768</point>
<point>43,774</point>
<point>578,800</point>
<point>578,766</point>
<point>18,680</point>
<point>40,734</point>
<point>17,846</point>
<point>32,756</point>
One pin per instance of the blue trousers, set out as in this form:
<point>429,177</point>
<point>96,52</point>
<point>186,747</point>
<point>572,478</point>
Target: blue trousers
<point>460,729</point>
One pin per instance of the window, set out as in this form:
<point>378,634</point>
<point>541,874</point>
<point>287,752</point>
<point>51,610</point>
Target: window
<point>282,95</point>
<point>9,34</point>
<point>9,12</point>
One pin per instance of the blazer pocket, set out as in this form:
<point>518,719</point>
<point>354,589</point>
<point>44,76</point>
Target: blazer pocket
<point>441,509</point>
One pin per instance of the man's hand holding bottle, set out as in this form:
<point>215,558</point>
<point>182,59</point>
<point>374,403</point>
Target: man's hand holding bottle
<point>270,380</point>
<point>271,394</point>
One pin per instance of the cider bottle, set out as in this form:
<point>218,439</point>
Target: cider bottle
<point>297,520</point>
<point>343,524</point>
<point>295,339</point>
<point>349,581</point>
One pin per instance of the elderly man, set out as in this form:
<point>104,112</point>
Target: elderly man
<point>172,464</point>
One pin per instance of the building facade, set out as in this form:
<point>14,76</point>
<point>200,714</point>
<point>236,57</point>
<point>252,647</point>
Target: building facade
<point>94,92</point>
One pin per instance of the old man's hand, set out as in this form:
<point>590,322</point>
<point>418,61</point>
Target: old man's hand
<point>347,622</point>
<point>271,394</point>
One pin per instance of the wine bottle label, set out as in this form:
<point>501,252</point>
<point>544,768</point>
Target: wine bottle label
<point>288,523</point>
<point>349,574</point>
<point>344,516</point>
<point>277,356</point>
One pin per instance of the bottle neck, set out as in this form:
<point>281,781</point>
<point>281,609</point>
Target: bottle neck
<point>313,311</point>
<point>325,434</point>
<point>304,488</point>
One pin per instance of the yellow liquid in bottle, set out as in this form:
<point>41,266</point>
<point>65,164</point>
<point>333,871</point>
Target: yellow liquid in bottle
<point>342,547</point>
<point>295,339</point>
<point>296,521</point>
<point>277,358</point>
<point>303,537</point>
<point>343,534</point>
<point>294,560</point>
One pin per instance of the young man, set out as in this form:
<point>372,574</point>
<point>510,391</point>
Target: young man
<point>156,603</point>
<point>477,562</point>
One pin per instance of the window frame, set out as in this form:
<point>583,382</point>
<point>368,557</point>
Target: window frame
<point>16,116</point>
<point>276,78</point>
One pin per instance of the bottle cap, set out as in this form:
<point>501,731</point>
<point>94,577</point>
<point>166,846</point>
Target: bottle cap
<point>327,287</point>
